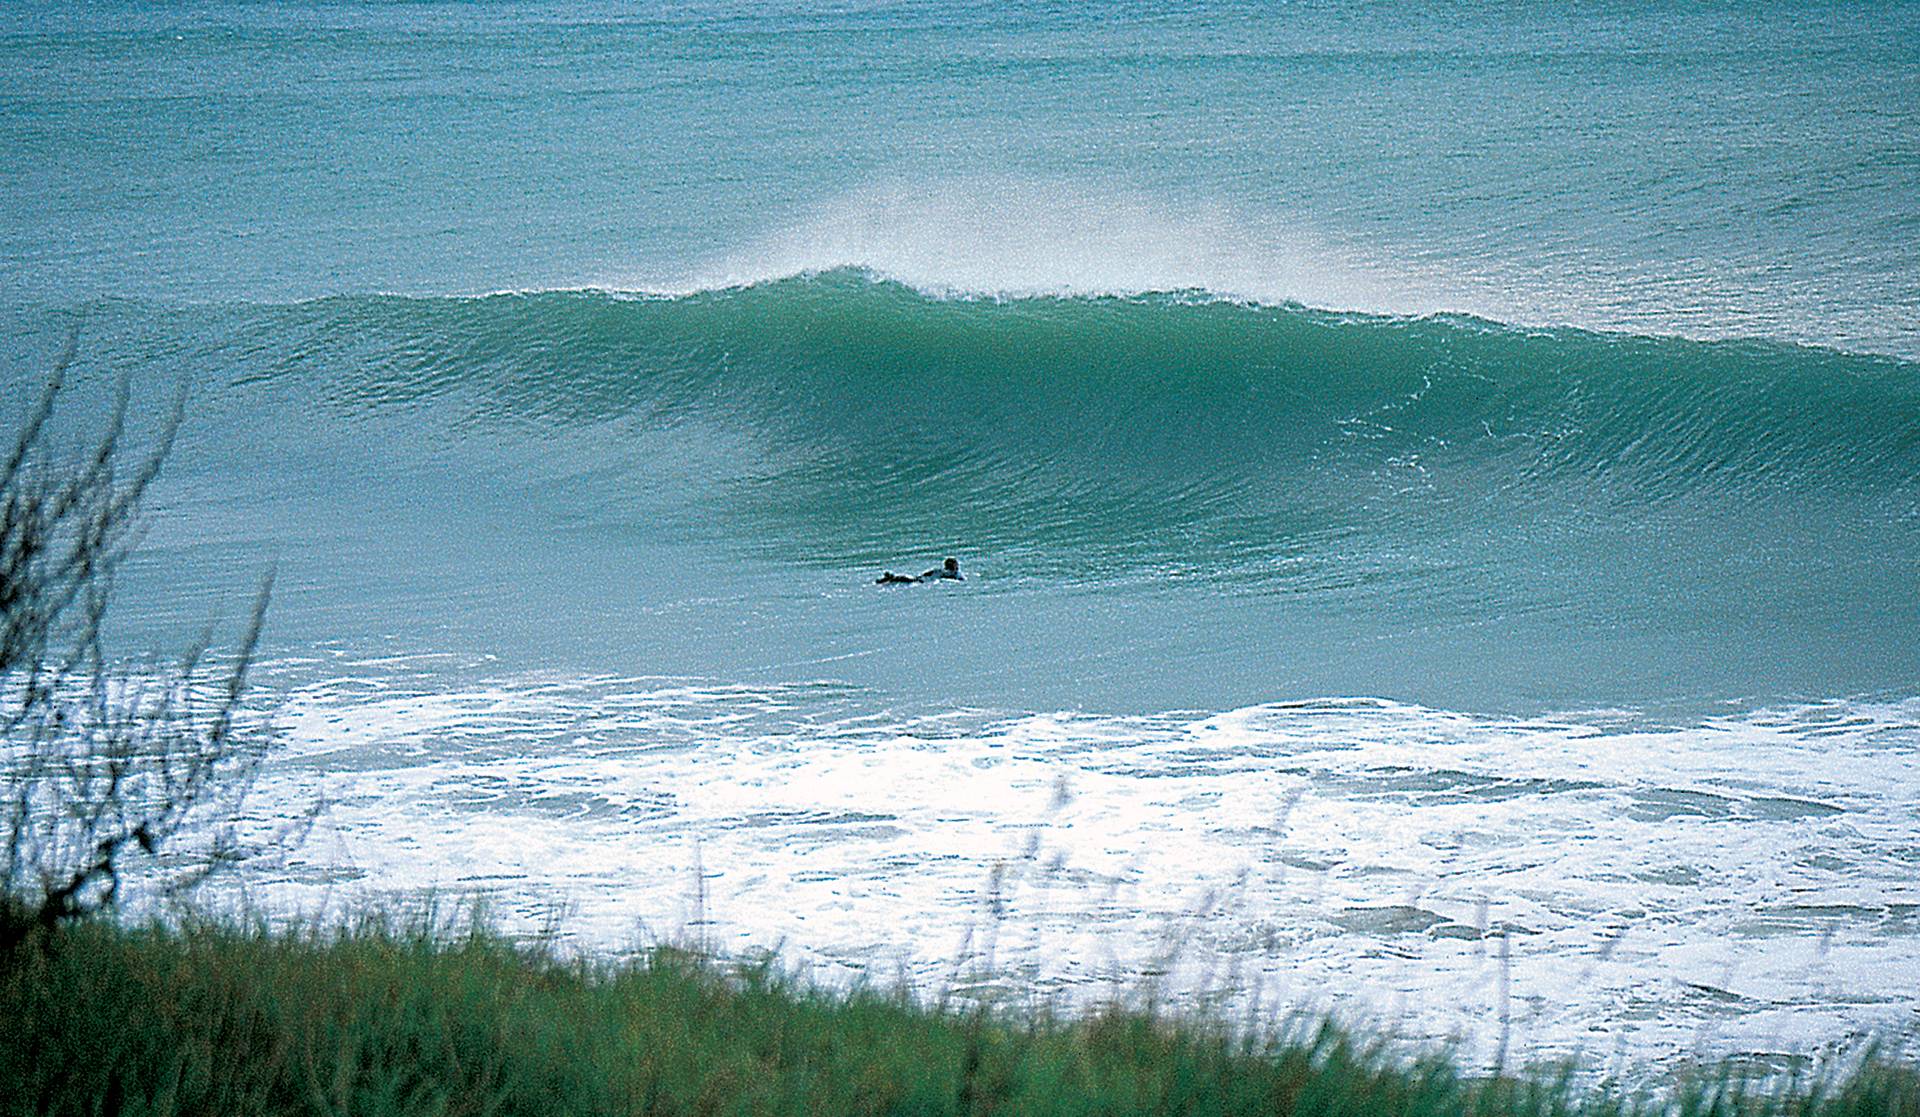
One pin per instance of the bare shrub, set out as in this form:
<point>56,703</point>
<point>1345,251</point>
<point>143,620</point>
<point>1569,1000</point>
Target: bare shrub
<point>110,771</point>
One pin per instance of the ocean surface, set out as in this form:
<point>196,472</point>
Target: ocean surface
<point>1439,491</point>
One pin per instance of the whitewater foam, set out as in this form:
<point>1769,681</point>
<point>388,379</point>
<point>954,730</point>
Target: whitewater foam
<point>1739,884</point>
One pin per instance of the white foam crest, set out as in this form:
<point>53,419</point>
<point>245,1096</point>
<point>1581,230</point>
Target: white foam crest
<point>1001,237</point>
<point>1005,236</point>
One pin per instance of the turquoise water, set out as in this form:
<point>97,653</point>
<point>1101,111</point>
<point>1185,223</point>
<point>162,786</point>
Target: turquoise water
<point>1481,430</point>
<point>1163,501</point>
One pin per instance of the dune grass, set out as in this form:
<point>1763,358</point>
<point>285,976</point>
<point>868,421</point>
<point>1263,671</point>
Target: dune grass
<point>408,1019</point>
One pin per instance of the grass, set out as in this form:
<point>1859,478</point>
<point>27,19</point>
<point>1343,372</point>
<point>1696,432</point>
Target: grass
<point>406,1019</point>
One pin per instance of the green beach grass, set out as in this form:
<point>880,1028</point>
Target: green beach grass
<point>415,1018</point>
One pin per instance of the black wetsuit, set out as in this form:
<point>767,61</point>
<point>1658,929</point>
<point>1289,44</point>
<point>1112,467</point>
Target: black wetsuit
<point>938,573</point>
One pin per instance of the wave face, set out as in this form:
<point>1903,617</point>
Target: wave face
<point>1421,503</point>
<point>1102,436</point>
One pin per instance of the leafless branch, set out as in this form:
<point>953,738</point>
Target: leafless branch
<point>104,765</point>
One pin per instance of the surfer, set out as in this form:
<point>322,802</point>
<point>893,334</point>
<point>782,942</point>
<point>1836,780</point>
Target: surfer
<point>946,571</point>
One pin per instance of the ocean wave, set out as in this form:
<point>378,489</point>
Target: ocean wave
<point>835,361</point>
<point>1173,432</point>
<point>1157,431</point>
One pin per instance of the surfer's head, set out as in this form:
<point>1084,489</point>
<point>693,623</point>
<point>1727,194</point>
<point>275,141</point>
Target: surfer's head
<point>951,566</point>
